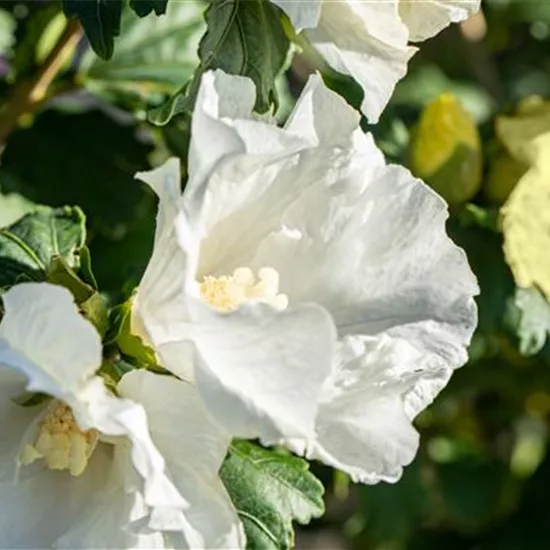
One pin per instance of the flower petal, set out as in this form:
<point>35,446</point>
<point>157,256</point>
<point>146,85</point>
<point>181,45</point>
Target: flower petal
<point>43,336</point>
<point>95,408</point>
<point>29,520</point>
<point>194,448</point>
<point>383,263</point>
<point>260,371</point>
<point>362,427</point>
<point>15,420</point>
<point>159,302</point>
<point>368,42</point>
<point>304,14</point>
<point>425,19</point>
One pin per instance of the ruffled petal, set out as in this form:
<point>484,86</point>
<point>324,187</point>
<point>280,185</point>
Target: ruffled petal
<point>95,408</point>
<point>383,262</point>
<point>363,427</point>
<point>425,19</point>
<point>43,336</point>
<point>194,447</point>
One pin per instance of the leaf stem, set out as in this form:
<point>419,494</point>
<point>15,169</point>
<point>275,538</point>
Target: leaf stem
<point>29,93</point>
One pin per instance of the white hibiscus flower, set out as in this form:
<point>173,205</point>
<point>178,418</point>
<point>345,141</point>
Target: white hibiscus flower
<point>79,469</point>
<point>369,40</point>
<point>308,289</point>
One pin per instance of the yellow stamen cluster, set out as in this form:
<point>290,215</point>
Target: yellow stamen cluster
<point>60,442</point>
<point>228,292</point>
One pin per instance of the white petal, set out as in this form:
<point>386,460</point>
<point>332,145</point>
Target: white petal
<point>248,195</point>
<point>375,67</point>
<point>104,522</point>
<point>383,262</point>
<point>220,98</point>
<point>362,427</point>
<point>194,448</point>
<point>15,420</point>
<point>40,509</point>
<point>304,14</point>
<point>43,336</point>
<point>159,302</point>
<point>112,416</point>
<point>260,371</point>
<point>426,18</point>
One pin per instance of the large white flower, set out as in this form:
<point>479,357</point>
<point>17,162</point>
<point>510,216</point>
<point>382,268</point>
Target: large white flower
<point>79,469</point>
<point>369,40</point>
<point>308,289</point>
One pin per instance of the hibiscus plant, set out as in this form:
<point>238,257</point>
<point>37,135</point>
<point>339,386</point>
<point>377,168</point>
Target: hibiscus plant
<point>244,285</point>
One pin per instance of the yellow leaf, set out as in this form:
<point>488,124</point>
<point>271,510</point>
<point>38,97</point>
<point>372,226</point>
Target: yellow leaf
<point>446,150</point>
<point>526,221</point>
<point>517,132</point>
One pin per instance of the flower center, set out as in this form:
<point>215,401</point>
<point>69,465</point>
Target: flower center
<point>60,442</point>
<point>228,292</point>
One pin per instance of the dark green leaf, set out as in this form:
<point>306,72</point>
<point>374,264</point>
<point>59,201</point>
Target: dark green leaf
<point>154,55</point>
<point>145,7</point>
<point>243,37</point>
<point>100,20</point>
<point>28,246</point>
<point>270,491</point>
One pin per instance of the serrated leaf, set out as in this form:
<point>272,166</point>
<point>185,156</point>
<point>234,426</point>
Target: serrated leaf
<point>28,246</point>
<point>526,222</point>
<point>446,150</point>
<point>145,7</point>
<point>100,20</point>
<point>270,491</point>
<point>533,320</point>
<point>153,54</point>
<point>243,37</point>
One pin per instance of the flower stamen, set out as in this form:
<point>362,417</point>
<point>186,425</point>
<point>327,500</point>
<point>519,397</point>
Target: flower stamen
<point>228,292</point>
<point>60,442</point>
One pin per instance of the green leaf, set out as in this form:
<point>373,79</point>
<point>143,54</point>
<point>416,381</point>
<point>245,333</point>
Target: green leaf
<point>131,345</point>
<point>154,55</point>
<point>28,246</point>
<point>145,7</point>
<point>270,491</point>
<point>533,320</point>
<point>100,20</point>
<point>243,37</point>
<point>59,273</point>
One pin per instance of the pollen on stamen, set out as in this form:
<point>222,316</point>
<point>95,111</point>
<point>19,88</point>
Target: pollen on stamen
<point>60,442</point>
<point>226,293</point>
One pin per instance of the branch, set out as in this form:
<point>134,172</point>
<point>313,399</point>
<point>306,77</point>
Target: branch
<point>28,94</point>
